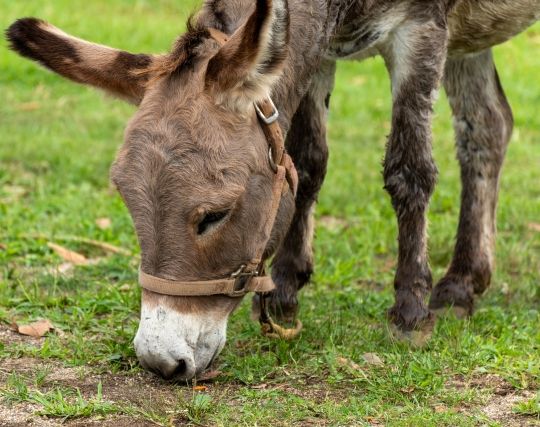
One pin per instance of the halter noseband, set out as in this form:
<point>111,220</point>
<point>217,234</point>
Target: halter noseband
<point>249,277</point>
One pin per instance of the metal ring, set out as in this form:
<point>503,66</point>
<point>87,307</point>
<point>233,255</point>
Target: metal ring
<point>271,161</point>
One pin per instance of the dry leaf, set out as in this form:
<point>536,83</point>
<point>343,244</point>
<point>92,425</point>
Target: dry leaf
<point>13,192</point>
<point>103,223</point>
<point>64,268</point>
<point>35,329</point>
<point>209,375</point>
<point>3,247</point>
<point>67,255</point>
<point>359,80</point>
<point>407,390</point>
<point>346,363</point>
<point>534,226</point>
<point>107,247</point>
<point>200,388</point>
<point>259,386</point>
<point>29,106</point>
<point>372,359</point>
<point>124,288</point>
<point>332,223</point>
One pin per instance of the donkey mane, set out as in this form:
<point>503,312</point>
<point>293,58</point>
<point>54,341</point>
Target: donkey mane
<point>184,53</point>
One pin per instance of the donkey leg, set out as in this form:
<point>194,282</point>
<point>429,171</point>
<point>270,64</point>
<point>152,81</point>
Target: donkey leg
<point>415,59</point>
<point>483,125</point>
<point>306,143</point>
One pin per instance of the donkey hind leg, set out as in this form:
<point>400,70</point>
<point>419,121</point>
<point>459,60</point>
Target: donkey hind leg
<point>415,59</point>
<point>483,125</point>
<point>306,143</point>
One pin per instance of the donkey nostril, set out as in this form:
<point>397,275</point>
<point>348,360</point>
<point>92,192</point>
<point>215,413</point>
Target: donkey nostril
<point>180,369</point>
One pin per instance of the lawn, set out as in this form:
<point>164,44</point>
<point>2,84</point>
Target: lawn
<point>57,141</point>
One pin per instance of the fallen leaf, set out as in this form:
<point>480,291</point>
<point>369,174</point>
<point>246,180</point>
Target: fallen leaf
<point>3,247</point>
<point>346,363</point>
<point>259,386</point>
<point>209,375</point>
<point>125,288</point>
<point>13,192</point>
<point>107,247</point>
<point>29,106</point>
<point>332,223</point>
<point>103,223</point>
<point>68,255</point>
<point>64,268</point>
<point>534,226</point>
<point>359,80</point>
<point>372,359</point>
<point>35,329</point>
<point>200,388</point>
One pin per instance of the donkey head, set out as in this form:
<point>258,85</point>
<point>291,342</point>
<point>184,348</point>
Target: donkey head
<point>193,169</point>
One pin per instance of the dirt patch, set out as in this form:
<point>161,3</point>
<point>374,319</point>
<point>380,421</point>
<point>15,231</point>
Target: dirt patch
<point>22,415</point>
<point>502,398</point>
<point>141,390</point>
<point>110,422</point>
<point>499,408</point>
<point>8,335</point>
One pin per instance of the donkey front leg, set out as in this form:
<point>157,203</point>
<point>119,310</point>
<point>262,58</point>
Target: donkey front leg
<point>483,125</point>
<point>415,58</point>
<point>306,143</point>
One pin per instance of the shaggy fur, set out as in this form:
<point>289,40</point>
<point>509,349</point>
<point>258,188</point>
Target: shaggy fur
<point>195,147</point>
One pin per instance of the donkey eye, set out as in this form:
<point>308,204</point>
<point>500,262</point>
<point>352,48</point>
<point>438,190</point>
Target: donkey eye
<point>210,220</point>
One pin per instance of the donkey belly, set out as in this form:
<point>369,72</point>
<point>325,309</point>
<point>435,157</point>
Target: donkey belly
<point>366,30</point>
<point>476,25</point>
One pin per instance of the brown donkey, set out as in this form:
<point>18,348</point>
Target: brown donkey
<point>194,167</point>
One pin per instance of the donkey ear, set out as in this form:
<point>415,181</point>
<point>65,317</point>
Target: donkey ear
<point>117,72</point>
<point>245,68</point>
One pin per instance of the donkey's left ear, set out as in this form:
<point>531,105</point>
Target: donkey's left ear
<point>245,68</point>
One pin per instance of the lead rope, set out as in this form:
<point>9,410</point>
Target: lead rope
<point>282,165</point>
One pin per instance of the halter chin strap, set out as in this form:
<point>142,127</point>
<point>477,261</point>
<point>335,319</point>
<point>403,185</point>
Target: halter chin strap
<point>250,277</point>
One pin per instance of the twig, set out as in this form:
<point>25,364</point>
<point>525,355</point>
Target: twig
<point>96,243</point>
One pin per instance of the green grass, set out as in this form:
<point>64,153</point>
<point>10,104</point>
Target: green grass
<point>57,141</point>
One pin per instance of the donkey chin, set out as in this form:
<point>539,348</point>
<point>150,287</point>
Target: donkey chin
<point>176,345</point>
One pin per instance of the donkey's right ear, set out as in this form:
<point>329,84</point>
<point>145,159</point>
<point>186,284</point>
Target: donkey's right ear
<point>117,72</point>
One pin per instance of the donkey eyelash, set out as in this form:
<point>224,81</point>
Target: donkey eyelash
<point>211,220</point>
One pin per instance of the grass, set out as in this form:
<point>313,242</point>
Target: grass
<point>57,142</point>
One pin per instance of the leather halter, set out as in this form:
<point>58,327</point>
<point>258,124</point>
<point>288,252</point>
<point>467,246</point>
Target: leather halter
<point>250,276</point>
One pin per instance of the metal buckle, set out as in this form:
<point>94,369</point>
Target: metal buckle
<point>237,275</point>
<point>270,119</point>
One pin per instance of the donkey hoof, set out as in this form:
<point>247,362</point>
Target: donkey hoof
<point>453,294</point>
<point>282,312</point>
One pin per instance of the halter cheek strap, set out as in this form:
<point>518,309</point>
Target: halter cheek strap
<point>250,277</point>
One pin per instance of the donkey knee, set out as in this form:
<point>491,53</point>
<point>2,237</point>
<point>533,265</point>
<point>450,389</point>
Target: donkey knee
<point>410,185</point>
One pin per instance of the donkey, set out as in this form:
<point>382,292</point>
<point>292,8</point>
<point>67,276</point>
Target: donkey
<point>194,167</point>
